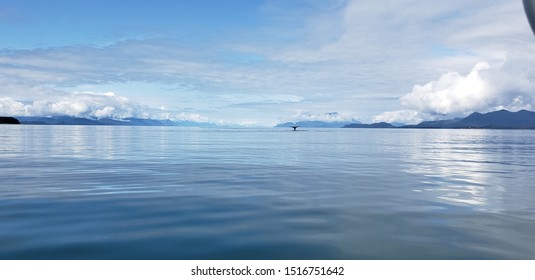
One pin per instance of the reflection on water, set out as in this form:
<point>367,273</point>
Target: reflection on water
<point>471,167</point>
<point>82,192</point>
<point>461,162</point>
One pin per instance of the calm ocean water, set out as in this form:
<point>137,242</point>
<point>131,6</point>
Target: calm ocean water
<point>88,192</point>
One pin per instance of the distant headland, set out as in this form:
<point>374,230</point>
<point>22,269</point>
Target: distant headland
<point>9,120</point>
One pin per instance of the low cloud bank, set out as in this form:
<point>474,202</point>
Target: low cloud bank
<point>93,106</point>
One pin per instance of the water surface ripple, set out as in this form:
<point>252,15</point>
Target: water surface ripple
<point>90,192</point>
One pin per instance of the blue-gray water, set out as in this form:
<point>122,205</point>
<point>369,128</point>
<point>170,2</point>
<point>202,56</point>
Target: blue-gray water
<point>87,192</point>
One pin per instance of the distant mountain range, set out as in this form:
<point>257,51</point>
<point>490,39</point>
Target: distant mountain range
<point>67,120</point>
<point>311,124</point>
<point>502,119</point>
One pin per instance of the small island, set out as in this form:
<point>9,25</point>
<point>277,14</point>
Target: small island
<point>8,120</point>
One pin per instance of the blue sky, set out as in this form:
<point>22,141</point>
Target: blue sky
<point>30,24</point>
<point>265,62</point>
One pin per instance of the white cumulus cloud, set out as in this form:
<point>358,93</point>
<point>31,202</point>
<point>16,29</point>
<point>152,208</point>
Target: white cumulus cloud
<point>84,105</point>
<point>508,85</point>
<point>452,93</point>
